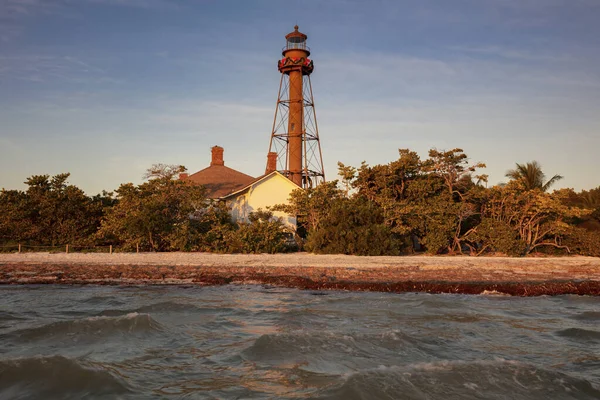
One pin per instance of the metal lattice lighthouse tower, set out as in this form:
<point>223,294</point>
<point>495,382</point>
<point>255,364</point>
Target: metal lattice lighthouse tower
<point>295,135</point>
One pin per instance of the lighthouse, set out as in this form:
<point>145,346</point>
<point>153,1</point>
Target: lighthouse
<point>295,134</point>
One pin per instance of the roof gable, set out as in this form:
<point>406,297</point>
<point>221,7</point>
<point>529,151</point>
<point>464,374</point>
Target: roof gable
<point>220,180</point>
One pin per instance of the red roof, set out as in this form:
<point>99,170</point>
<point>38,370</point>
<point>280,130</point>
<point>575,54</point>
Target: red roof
<point>220,180</point>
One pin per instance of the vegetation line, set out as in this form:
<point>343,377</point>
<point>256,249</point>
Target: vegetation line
<point>439,205</point>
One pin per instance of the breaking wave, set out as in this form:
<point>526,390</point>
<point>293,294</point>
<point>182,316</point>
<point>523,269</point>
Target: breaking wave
<point>8,316</point>
<point>89,327</point>
<point>319,351</point>
<point>590,316</point>
<point>239,342</point>
<point>110,300</point>
<point>462,380</point>
<point>167,306</point>
<point>580,334</point>
<point>56,377</point>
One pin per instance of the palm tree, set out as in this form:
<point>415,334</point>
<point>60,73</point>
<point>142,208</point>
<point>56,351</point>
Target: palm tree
<point>532,176</point>
<point>591,198</point>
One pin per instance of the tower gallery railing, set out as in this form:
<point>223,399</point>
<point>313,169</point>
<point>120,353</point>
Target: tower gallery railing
<point>292,46</point>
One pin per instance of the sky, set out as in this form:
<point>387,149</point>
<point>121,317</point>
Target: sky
<point>103,89</point>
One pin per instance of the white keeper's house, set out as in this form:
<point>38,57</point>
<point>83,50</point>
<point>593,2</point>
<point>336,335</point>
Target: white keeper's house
<point>243,193</point>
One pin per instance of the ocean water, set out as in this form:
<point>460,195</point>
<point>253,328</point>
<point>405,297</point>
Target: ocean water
<point>258,342</point>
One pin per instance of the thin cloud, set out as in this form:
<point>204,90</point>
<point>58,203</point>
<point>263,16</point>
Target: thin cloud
<point>45,67</point>
<point>387,76</point>
<point>16,14</point>
<point>9,31</point>
<point>509,53</point>
<point>541,4</point>
<point>149,4</point>
<point>15,9</point>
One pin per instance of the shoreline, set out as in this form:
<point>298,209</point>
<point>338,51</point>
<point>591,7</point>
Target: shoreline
<point>431,274</point>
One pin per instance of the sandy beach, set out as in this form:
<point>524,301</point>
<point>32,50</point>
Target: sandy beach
<point>460,274</point>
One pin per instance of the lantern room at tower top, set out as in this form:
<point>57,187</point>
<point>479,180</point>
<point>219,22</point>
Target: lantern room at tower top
<point>295,54</point>
<point>296,40</point>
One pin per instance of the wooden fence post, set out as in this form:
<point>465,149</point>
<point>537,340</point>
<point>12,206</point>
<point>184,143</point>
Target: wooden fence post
<point>137,247</point>
<point>110,251</point>
<point>19,248</point>
<point>67,249</point>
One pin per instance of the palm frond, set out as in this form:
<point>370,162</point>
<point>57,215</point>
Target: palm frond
<point>531,176</point>
<point>551,182</point>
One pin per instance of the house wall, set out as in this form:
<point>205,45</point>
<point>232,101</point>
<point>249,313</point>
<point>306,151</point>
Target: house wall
<point>275,189</point>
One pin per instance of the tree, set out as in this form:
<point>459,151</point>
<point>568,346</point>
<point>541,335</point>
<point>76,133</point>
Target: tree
<point>537,218</point>
<point>426,202</point>
<point>390,186</point>
<point>452,166</point>
<point>263,233</point>
<point>348,174</point>
<point>389,180</point>
<point>497,236</point>
<point>530,176</point>
<point>50,212</point>
<point>584,242</point>
<point>164,171</point>
<point>589,200</point>
<point>214,228</point>
<point>353,226</point>
<point>15,222</point>
<point>311,205</point>
<point>160,214</point>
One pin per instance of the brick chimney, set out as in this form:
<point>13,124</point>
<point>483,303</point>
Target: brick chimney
<point>217,156</point>
<point>183,176</point>
<point>271,162</point>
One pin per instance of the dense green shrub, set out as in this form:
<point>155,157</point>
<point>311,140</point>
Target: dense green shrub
<point>437,205</point>
<point>583,242</point>
<point>262,234</point>
<point>50,212</point>
<point>157,215</point>
<point>438,235</point>
<point>497,236</point>
<point>214,229</point>
<point>353,226</point>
